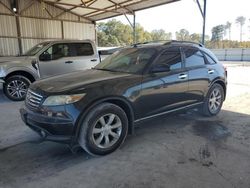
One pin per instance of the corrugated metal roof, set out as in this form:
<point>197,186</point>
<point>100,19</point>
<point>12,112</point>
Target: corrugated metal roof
<point>95,10</point>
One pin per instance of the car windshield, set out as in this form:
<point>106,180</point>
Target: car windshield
<point>130,60</point>
<point>34,50</point>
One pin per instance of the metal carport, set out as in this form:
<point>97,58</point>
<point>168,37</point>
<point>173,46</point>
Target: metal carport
<point>26,22</point>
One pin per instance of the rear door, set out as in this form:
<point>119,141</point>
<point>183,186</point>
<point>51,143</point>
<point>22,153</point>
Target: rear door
<point>164,91</point>
<point>198,83</point>
<point>84,56</point>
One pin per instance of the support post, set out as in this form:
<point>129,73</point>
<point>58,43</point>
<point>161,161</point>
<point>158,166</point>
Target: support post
<point>133,25</point>
<point>18,29</point>
<point>134,30</point>
<point>62,28</point>
<point>204,22</point>
<point>203,14</point>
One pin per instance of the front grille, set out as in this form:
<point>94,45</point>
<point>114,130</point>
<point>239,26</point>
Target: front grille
<point>33,99</point>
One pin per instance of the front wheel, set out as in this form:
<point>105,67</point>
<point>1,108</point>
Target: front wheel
<point>214,100</point>
<point>15,87</point>
<point>103,130</point>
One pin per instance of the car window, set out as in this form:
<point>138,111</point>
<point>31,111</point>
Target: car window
<point>194,57</point>
<point>210,60</point>
<point>130,60</point>
<point>171,57</point>
<point>58,51</point>
<point>82,49</point>
<point>34,50</point>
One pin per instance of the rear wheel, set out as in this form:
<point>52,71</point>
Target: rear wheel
<point>104,129</point>
<point>214,100</point>
<point>15,87</point>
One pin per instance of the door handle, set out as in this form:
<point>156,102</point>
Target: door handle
<point>93,60</point>
<point>182,76</point>
<point>210,71</point>
<point>68,62</point>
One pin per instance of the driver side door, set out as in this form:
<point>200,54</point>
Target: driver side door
<point>164,90</point>
<point>58,62</point>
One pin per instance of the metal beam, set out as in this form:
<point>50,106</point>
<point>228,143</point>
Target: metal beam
<point>91,2</point>
<point>118,4</point>
<point>48,12</point>
<point>53,4</point>
<point>204,22</point>
<point>203,14</point>
<point>69,10</point>
<point>18,30</point>
<point>25,8</point>
<point>134,30</point>
<point>80,6</point>
<point>92,14</point>
<point>112,6</point>
<point>43,18</point>
<point>9,9</point>
<point>133,25</point>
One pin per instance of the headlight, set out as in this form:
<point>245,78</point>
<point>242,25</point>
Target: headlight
<point>62,99</point>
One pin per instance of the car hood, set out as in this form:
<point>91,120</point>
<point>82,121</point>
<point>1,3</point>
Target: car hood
<point>74,81</point>
<point>17,59</point>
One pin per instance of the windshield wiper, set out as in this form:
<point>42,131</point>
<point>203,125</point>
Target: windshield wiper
<point>106,69</point>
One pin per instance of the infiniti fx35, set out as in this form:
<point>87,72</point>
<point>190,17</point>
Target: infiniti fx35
<point>98,108</point>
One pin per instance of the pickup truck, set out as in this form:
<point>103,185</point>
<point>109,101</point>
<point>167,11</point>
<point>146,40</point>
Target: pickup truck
<point>44,60</point>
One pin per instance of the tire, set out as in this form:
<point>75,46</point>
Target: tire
<point>15,87</point>
<point>214,100</point>
<point>97,128</point>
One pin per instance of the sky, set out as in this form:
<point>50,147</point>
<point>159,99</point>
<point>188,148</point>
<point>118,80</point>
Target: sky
<point>185,14</point>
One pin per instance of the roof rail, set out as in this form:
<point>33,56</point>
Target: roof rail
<point>149,42</point>
<point>183,41</point>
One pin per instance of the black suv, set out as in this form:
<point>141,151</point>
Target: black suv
<point>98,108</point>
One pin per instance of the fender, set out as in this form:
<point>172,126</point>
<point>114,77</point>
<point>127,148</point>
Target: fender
<point>99,101</point>
<point>22,69</point>
<point>219,79</point>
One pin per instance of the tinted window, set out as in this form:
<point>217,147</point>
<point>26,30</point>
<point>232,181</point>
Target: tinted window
<point>130,60</point>
<point>171,57</point>
<point>194,58</point>
<point>58,51</point>
<point>83,49</point>
<point>209,59</point>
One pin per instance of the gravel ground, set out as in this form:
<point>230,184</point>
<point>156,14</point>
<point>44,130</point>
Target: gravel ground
<point>180,150</point>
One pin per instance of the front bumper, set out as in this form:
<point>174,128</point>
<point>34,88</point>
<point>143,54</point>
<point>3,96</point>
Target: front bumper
<point>49,128</point>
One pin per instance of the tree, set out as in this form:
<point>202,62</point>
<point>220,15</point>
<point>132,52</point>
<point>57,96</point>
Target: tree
<point>182,35</point>
<point>218,32</point>
<point>141,34</point>
<point>160,34</point>
<point>241,20</point>
<point>195,37</point>
<point>114,33</point>
<point>228,27</point>
<point>102,38</point>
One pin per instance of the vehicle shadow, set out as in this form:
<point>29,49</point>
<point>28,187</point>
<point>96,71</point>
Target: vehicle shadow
<point>35,159</point>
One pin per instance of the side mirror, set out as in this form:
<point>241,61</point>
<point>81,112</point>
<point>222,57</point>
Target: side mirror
<point>160,68</point>
<point>45,57</point>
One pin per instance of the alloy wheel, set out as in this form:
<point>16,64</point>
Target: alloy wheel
<point>17,88</point>
<point>215,100</point>
<point>107,131</point>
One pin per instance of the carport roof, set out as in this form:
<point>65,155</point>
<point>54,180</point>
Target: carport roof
<point>95,10</point>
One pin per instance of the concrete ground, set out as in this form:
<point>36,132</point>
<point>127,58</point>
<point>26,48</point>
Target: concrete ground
<point>180,150</point>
